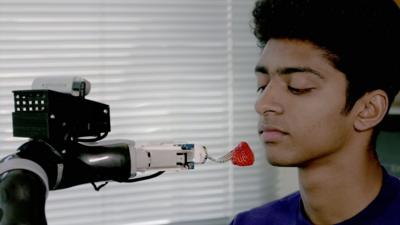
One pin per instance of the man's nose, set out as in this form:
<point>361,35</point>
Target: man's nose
<point>269,100</point>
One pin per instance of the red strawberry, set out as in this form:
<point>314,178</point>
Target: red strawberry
<point>242,155</point>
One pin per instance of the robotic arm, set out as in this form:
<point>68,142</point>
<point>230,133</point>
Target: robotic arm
<point>28,175</point>
<point>116,160</point>
<point>60,155</point>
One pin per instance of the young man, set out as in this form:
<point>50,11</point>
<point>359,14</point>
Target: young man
<point>327,75</point>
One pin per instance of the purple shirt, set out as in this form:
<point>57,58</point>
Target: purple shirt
<point>383,210</point>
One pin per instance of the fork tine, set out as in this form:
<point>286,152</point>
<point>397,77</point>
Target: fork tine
<point>226,157</point>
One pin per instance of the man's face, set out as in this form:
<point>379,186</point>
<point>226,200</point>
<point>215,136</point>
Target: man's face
<point>300,103</point>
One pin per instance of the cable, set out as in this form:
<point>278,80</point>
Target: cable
<point>145,177</point>
<point>98,138</point>
<point>97,188</point>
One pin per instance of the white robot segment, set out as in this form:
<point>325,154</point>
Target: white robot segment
<point>76,86</point>
<point>168,156</point>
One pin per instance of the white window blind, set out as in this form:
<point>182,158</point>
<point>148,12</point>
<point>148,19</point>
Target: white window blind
<point>170,70</point>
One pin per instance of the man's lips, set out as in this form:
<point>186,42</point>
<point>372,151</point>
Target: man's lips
<point>271,134</point>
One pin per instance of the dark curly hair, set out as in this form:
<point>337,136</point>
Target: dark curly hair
<point>360,36</point>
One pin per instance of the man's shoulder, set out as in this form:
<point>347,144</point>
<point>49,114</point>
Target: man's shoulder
<point>271,213</point>
<point>286,204</point>
<point>393,190</point>
<point>385,208</point>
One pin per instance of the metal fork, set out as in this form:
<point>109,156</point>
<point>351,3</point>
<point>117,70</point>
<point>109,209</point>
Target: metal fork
<point>222,159</point>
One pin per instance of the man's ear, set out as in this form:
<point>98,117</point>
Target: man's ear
<point>371,109</point>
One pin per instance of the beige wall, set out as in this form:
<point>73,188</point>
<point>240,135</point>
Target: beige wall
<point>397,102</point>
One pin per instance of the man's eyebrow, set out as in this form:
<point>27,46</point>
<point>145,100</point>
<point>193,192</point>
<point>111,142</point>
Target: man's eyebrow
<point>261,69</point>
<point>288,70</point>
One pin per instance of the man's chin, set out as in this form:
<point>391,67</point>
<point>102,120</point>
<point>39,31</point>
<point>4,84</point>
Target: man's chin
<point>279,164</point>
<point>282,162</point>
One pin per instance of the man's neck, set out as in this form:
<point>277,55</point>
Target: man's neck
<point>336,190</point>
